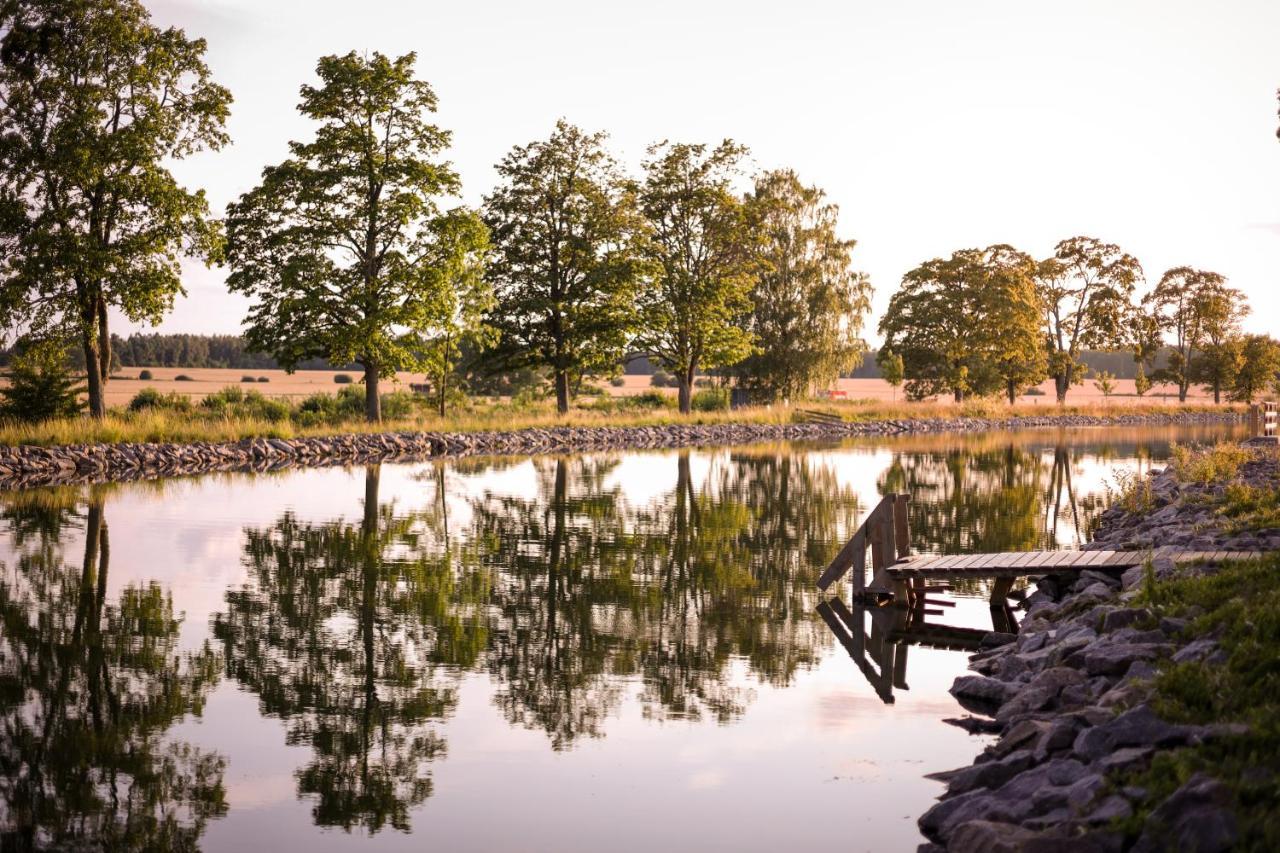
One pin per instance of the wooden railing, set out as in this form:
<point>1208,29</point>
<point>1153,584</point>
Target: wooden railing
<point>1264,419</point>
<point>886,532</point>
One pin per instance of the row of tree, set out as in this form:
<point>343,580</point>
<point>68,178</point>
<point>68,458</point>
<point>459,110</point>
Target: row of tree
<point>349,248</point>
<point>994,320</point>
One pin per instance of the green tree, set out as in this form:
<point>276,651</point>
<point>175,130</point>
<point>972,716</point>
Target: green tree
<point>1259,369</point>
<point>1141,384</point>
<point>1085,291</point>
<point>703,257</point>
<point>40,385</point>
<point>95,104</point>
<point>564,265</point>
<point>968,324</point>
<point>808,304</point>
<point>344,246</point>
<point>1185,303</point>
<point>1105,382</point>
<point>1222,309</point>
<point>891,368</point>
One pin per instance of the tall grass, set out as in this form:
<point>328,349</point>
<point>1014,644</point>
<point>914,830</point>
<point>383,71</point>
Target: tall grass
<point>236,414</point>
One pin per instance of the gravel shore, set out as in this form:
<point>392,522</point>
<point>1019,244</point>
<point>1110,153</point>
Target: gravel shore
<point>27,466</point>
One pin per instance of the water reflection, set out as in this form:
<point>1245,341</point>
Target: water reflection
<point>87,689</point>
<point>368,622</point>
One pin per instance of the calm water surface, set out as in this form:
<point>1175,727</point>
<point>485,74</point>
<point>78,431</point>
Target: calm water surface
<point>604,652</point>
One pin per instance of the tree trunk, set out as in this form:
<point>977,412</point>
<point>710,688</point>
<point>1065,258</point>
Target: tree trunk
<point>1217,393</point>
<point>1013,392</point>
<point>685,380</point>
<point>93,373</point>
<point>104,342</point>
<point>562,390</point>
<point>958,395</point>
<point>372,402</point>
<point>1061,383</point>
<point>1182,391</point>
<point>443,383</point>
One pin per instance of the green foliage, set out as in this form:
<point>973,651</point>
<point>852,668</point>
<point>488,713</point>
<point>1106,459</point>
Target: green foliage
<point>248,379</point>
<point>98,102</point>
<point>1259,369</point>
<point>1141,384</point>
<point>711,400</point>
<point>1239,603</point>
<point>617,381</point>
<point>343,246</point>
<point>703,257</point>
<point>40,386</point>
<point>1250,507</point>
<point>342,378</point>
<point>264,378</point>
<point>968,324</point>
<point>1085,291</point>
<point>1208,464</point>
<point>891,367</point>
<point>182,377</point>
<point>1105,382</point>
<point>145,375</point>
<point>651,400</point>
<point>808,304</point>
<point>150,398</point>
<point>234,402</point>
<point>565,284</point>
<point>1132,492</point>
<point>1197,308</point>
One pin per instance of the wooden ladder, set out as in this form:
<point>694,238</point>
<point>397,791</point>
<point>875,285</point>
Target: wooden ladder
<point>886,532</point>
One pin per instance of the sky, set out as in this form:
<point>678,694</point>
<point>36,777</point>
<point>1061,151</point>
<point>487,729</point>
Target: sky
<point>935,125</point>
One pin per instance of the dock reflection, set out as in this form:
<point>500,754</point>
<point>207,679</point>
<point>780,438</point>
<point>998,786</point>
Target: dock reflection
<point>878,638</point>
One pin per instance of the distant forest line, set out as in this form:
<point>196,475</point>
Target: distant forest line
<point>231,351</point>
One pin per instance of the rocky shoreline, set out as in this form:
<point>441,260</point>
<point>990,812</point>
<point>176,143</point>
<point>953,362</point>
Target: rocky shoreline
<point>1068,696</point>
<point>27,466</point>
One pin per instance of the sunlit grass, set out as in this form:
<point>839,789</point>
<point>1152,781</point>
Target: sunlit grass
<point>158,425</point>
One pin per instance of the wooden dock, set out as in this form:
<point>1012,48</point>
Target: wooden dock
<point>898,574</point>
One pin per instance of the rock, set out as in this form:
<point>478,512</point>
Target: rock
<point>980,691</point>
<point>1115,659</point>
<point>1137,727</point>
<point>995,639</point>
<point>991,774</point>
<point>983,836</point>
<point>1196,817</point>
<point>1124,758</point>
<point>1095,576</point>
<point>1124,617</point>
<point>1196,650</point>
<point>1111,808</point>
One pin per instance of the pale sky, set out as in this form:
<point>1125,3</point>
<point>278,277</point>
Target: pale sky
<point>934,125</point>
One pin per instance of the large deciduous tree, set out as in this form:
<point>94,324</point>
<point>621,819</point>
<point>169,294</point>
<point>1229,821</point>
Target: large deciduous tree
<point>1085,290</point>
<point>96,102</point>
<point>345,246</point>
<point>1259,368</point>
<point>1186,303</point>
<point>1222,309</point>
<point>703,255</point>
<point>564,266</point>
<point>968,324</point>
<point>808,304</point>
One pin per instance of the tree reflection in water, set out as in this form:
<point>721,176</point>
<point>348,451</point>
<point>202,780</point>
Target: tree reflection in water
<point>87,690</point>
<point>354,634</point>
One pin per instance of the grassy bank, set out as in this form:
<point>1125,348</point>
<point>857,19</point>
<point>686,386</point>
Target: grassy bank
<point>233,415</point>
<point>1239,604</point>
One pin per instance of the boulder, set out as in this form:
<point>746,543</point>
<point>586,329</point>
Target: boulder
<point>980,691</point>
<point>1137,727</point>
<point>1196,817</point>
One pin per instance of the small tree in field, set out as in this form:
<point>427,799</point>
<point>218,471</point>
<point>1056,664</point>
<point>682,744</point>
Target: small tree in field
<point>344,246</point>
<point>40,385</point>
<point>892,369</point>
<point>1105,382</point>
<point>1141,384</point>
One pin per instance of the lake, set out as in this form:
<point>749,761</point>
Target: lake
<point>614,651</point>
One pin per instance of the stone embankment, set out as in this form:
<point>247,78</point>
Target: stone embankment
<point>1068,696</point>
<point>28,466</point>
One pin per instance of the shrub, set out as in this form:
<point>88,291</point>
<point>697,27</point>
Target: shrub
<point>710,400</point>
<point>651,400</point>
<point>150,398</point>
<point>247,379</point>
<point>264,378</point>
<point>40,386</point>
<point>1132,492</point>
<point>589,390</point>
<point>182,377</point>
<point>342,378</point>
<point>617,381</point>
<point>1033,391</point>
<point>663,379</point>
<point>1208,464</point>
<point>145,375</point>
<point>702,382</point>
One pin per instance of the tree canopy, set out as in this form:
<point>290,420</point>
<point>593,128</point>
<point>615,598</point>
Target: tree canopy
<point>564,266</point>
<point>1185,304</point>
<point>96,102</point>
<point>344,246</point>
<point>808,304</point>
<point>703,257</point>
<point>1085,290</point>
